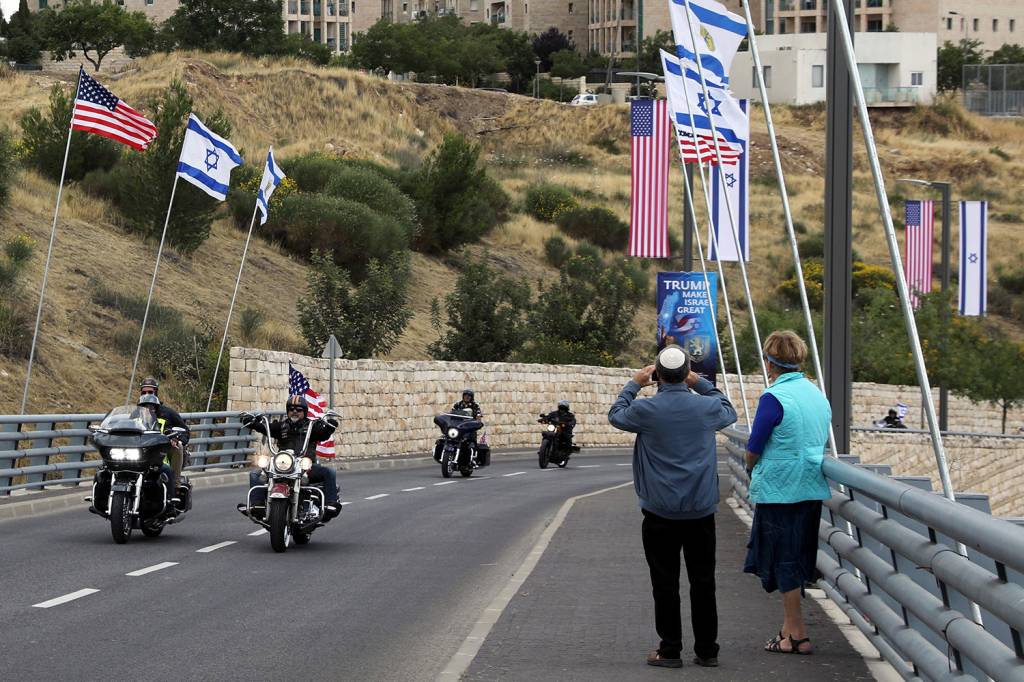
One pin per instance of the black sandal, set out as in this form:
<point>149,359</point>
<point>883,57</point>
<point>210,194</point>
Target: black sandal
<point>775,645</point>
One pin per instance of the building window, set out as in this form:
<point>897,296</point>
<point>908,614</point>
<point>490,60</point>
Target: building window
<point>526,9</point>
<point>405,7</point>
<point>353,6</point>
<point>1013,25</point>
<point>949,23</point>
<point>995,25</point>
<point>808,26</point>
<point>817,76</point>
<point>782,26</point>
<point>917,77</point>
<point>875,25</point>
<point>568,34</point>
<point>767,76</point>
<point>570,8</point>
<point>974,24</point>
<point>43,4</point>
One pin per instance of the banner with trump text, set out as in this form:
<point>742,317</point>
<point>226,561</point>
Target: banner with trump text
<point>686,316</point>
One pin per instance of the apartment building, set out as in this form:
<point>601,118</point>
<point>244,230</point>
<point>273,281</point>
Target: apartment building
<point>993,22</point>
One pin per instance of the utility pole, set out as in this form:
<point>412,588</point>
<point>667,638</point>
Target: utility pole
<point>688,225</point>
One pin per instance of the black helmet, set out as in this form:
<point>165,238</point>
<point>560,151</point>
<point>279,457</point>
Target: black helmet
<point>296,401</point>
<point>563,405</point>
<point>467,391</point>
<point>148,400</point>
<point>150,382</point>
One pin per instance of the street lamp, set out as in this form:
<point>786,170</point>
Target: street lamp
<point>944,189</point>
<point>536,80</point>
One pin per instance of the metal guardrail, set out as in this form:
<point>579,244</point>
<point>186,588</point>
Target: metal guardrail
<point>55,451</point>
<point>972,434</point>
<point>886,556</point>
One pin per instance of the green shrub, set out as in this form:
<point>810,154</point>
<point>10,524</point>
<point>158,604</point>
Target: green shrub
<point>606,143</point>
<point>377,192</point>
<point>313,172</point>
<point>597,225</point>
<point>15,312</point>
<point>44,139</point>
<point>1012,280</point>
<point>457,202</point>
<point>546,201</point>
<point>250,323</point>
<point>813,246</point>
<point>351,232</point>
<point>585,249</point>
<point>556,251</point>
<point>7,161</point>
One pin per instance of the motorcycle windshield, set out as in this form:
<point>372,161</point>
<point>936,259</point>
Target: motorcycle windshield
<point>129,418</point>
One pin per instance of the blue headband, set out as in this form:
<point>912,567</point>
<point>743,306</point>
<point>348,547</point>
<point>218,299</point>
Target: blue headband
<point>775,361</point>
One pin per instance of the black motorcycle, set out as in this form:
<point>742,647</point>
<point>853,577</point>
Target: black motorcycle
<point>295,507</point>
<point>129,489</point>
<point>555,448</point>
<point>458,448</point>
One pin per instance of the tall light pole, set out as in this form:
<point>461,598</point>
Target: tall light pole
<point>536,80</point>
<point>944,188</point>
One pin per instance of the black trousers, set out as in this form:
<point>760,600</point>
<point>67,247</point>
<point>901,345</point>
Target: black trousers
<point>663,541</point>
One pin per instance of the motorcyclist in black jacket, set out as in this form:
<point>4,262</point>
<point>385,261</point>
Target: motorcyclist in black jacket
<point>467,402</point>
<point>564,417</point>
<point>290,434</point>
<point>168,418</point>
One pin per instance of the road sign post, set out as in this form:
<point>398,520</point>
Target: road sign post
<point>331,351</point>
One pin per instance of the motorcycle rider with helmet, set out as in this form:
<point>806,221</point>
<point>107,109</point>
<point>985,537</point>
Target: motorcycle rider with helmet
<point>168,418</point>
<point>290,434</point>
<point>469,403</point>
<point>566,419</point>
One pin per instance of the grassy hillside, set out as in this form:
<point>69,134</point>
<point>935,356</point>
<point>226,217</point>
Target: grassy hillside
<point>298,108</point>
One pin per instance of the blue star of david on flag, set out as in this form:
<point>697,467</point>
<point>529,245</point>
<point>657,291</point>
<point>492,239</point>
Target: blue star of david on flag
<point>730,179</point>
<point>207,159</point>
<point>716,104</point>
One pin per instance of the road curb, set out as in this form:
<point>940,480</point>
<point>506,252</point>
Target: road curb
<point>73,498</point>
<point>463,658</point>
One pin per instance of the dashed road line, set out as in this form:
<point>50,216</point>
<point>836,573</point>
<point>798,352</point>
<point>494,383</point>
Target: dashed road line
<point>517,473</point>
<point>57,601</point>
<point>587,466</point>
<point>409,490</point>
<point>214,548</point>
<point>261,531</point>
<point>626,464</point>
<point>155,567</point>
<point>445,483</point>
<point>376,497</point>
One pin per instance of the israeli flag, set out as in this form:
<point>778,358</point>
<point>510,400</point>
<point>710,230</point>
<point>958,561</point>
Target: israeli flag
<point>682,85</point>
<point>730,184</point>
<point>272,177</point>
<point>207,159</point>
<point>973,257</point>
<point>718,31</point>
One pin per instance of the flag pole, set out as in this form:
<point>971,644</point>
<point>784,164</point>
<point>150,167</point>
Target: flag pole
<point>231,308</point>
<point>152,285</point>
<point>49,252</point>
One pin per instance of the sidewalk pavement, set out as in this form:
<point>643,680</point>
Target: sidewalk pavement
<point>586,612</point>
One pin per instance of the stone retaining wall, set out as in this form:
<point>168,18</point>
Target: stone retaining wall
<point>387,408</point>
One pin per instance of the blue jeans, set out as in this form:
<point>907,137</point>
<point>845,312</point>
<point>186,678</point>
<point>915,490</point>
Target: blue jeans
<point>318,474</point>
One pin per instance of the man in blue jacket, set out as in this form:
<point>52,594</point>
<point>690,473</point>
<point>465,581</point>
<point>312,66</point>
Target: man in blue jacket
<point>675,473</point>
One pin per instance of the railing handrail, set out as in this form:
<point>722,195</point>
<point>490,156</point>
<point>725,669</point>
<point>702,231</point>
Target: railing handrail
<point>970,434</point>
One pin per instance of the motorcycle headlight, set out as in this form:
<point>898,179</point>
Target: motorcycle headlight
<point>263,461</point>
<point>453,433</point>
<point>551,427</point>
<point>284,462</point>
<point>305,463</point>
<point>125,453</point>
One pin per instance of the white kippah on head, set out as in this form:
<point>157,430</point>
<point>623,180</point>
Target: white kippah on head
<point>672,357</point>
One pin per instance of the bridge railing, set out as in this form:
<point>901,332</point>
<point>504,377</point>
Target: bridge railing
<point>887,557</point>
<point>45,450</point>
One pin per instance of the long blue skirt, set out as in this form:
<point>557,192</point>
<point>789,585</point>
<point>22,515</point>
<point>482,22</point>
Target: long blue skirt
<point>784,544</point>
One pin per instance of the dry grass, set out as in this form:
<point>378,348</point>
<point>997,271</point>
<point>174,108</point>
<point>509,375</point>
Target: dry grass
<point>299,108</point>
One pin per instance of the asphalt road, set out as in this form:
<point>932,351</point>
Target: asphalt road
<point>387,591</point>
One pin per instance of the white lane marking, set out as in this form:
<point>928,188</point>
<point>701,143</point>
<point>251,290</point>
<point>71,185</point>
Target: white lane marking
<point>155,567</point>
<point>345,504</point>
<point>480,478</point>
<point>57,601</point>
<point>517,473</point>
<point>587,466</point>
<point>409,490</point>
<point>214,548</point>
<point>376,497</point>
<point>261,531</point>
<point>445,483</point>
<point>627,464</point>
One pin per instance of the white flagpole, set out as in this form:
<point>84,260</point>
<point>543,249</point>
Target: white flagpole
<point>152,285</point>
<point>231,308</point>
<point>728,204</point>
<point>49,253</point>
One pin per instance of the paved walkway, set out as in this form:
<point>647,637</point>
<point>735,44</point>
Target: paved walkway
<point>586,612</point>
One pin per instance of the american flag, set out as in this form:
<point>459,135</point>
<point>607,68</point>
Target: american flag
<point>97,110</point>
<point>649,147</point>
<point>299,385</point>
<point>705,147</point>
<point>917,263</point>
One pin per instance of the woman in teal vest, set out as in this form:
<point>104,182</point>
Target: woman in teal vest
<point>784,455</point>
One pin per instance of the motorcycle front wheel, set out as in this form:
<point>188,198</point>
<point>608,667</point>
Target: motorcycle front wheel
<point>447,464</point>
<point>121,517</point>
<point>280,529</point>
<point>544,455</point>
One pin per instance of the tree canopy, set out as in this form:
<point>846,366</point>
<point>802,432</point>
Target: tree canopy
<point>94,29</point>
<point>549,42</point>
<point>249,26</point>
